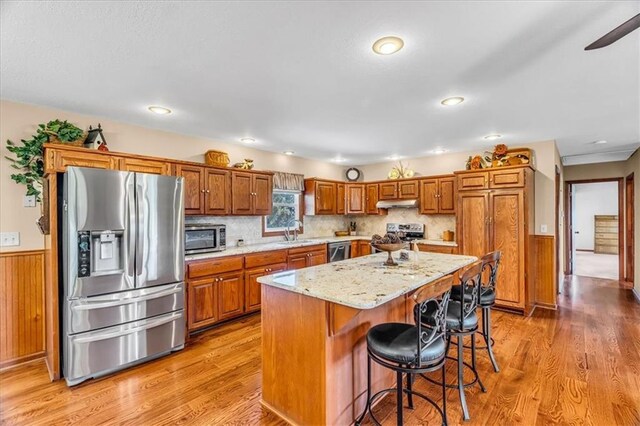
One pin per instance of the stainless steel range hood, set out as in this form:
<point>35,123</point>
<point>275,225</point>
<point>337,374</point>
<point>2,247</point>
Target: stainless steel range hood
<point>397,204</point>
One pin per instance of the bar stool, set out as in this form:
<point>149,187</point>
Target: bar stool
<point>462,320</point>
<point>490,263</point>
<point>411,349</point>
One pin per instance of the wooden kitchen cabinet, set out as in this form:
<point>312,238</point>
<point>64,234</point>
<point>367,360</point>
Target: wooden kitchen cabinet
<point>341,198</point>
<point>388,191</point>
<point>304,257</point>
<point>231,295</point>
<point>194,188</point>
<point>435,248</point>
<point>501,219</point>
<point>437,195</point>
<point>399,190</point>
<point>320,197</point>
<point>372,198</point>
<point>360,248</point>
<point>253,288</point>
<point>202,303</point>
<point>356,198</point>
<point>156,167</point>
<point>251,194</point>
<point>217,192</point>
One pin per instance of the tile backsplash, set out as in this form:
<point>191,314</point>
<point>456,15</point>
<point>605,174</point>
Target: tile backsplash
<point>249,228</point>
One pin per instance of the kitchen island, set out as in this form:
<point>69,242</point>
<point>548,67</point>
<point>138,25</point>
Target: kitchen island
<point>314,323</point>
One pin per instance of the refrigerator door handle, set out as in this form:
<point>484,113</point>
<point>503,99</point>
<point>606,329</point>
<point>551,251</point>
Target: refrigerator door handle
<point>131,219</point>
<point>150,323</point>
<point>122,302</point>
<point>140,228</point>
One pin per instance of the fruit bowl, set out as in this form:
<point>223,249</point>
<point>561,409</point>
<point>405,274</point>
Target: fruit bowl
<point>389,248</point>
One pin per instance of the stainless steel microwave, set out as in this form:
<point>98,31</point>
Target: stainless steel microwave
<point>204,238</point>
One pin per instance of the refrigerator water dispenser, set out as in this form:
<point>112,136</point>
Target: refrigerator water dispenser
<point>106,252</point>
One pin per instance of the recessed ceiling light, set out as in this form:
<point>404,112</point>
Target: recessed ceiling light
<point>599,142</point>
<point>493,137</point>
<point>247,140</point>
<point>159,110</point>
<point>289,153</point>
<point>339,160</point>
<point>455,100</point>
<point>438,151</point>
<point>388,45</point>
<point>393,157</point>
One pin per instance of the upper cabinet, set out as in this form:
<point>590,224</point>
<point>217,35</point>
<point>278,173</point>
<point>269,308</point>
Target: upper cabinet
<point>341,200</point>
<point>206,191</point>
<point>399,190</point>
<point>437,195</point>
<point>320,197</point>
<point>193,188</point>
<point>251,194</point>
<point>504,177</point>
<point>356,198</point>
<point>156,167</point>
<point>372,192</point>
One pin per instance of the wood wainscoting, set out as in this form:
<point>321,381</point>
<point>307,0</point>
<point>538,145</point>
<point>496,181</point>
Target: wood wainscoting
<point>21,306</point>
<point>545,271</point>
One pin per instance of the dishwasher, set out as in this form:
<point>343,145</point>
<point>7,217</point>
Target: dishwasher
<point>339,251</point>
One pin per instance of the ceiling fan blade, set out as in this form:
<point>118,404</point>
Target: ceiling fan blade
<point>616,34</point>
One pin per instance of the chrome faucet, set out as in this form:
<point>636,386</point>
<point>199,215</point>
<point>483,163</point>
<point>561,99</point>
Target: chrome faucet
<point>287,232</point>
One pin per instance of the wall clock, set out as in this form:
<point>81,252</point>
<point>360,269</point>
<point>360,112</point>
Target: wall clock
<point>353,174</point>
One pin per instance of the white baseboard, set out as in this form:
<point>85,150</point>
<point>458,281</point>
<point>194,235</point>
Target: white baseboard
<point>636,294</point>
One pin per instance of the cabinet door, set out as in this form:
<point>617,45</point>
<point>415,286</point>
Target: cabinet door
<point>408,190</point>
<point>509,178</point>
<point>446,195</point>
<point>507,231</point>
<point>429,196</point>
<point>253,289</point>
<point>473,223</point>
<point>388,191</point>
<point>356,199</point>
<point>155,167</point>
<point>217,192</point>
<point>297,261</point>
<point>241,193</point>
<point>341,200</point>
<point>203,303</point>
<point>262,194</point>
<point>317,258</point>
<point>355,249</point>
<point>193,188</point>
<point>364,248</point>
<point>477,180</point>
<point>325,198</point>
<point>59,160</point>
<point>231,294</point>
<point>372,198</point>
<point>436,248</point>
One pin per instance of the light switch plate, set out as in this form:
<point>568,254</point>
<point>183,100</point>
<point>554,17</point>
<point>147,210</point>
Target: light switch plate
<point>29,201</point>
<point>543,229</point>
<point>9,239</point>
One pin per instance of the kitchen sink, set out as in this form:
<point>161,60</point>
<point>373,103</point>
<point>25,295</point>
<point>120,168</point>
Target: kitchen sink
<point>288,243</point>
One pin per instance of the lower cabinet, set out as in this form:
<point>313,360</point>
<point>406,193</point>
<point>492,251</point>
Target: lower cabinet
<point>252,288</point>
<point>304,257</point>
<point>360,248</point>
<point>202,303</point>
<point>434,248</point>
<point>231,295</point>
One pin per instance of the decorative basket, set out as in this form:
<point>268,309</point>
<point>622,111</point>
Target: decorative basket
<point>341,233</point>
<point>77,142</point>
<point>216,158</point>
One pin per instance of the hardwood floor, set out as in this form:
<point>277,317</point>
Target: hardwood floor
<point>577,365</point>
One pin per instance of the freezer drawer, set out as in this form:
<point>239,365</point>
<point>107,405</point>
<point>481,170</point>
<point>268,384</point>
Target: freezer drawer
<point>96,312</point>
<point>100,352</point>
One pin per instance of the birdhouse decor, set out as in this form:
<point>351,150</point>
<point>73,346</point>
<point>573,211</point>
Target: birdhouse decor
<point>95,139</point>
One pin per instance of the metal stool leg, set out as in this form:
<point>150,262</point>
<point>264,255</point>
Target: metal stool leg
<point>444,397</point>
<point>486,333</point>
<point>410,388</point>
<point>399,399</point>
<point>463,399</point>
<point>473,361</point>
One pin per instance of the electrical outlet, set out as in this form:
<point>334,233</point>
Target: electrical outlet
<point>8,239</point>
<point>543,229</point>
<point>29,201</point>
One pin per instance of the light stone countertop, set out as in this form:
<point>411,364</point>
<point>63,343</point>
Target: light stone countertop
<point>282,245</point>
<point>364,282</point>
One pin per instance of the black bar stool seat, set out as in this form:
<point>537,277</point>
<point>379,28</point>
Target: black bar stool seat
<point>396,342</point>
<point>487,295</point>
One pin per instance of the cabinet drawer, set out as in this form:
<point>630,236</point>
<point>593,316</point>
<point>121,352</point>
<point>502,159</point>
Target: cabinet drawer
<point>437,249</point>
<point>145,166</point>
<point>58,161</point>
<point>469,181</point>
<point>506,178</point>
<point>265,258</point>
<point>203,268</point>
<point>307,249</point>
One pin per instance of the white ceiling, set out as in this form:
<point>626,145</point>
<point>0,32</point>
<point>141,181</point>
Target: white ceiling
<point>302,76</point>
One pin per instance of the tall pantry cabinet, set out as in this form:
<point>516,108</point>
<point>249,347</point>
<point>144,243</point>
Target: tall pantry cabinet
<point>496,212</point>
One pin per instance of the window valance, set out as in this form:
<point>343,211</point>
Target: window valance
<point>288,181</point>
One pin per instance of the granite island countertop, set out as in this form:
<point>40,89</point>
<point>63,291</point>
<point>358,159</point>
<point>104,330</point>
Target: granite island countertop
<point>282,245</point>
<point>364,282</point>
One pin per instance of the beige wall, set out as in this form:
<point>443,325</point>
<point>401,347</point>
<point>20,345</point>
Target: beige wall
<point>546,157</point>
<point>19,121</point>
<point>612,169</point>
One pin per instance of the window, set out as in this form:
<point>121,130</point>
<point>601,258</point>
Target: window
<point>286,208</point>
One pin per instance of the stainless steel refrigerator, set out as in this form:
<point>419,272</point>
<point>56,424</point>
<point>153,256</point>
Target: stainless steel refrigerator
<point>123,266</point>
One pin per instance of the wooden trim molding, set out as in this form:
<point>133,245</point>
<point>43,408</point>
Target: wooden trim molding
<point>22,336</point>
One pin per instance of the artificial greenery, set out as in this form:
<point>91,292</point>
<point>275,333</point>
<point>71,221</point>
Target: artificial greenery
<point>29,160</point>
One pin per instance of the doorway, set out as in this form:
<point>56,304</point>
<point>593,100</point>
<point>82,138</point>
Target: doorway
<point>595,228</point>
<point>629,227</point>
